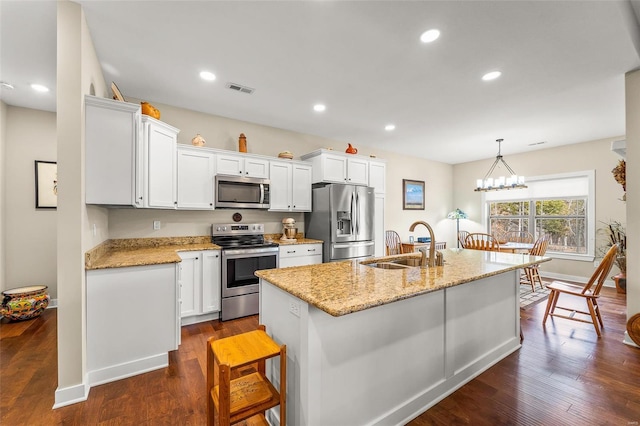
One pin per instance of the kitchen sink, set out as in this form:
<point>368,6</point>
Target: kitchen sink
<point>410,262</point>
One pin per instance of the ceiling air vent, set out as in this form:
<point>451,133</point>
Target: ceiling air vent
<point>240,88</point>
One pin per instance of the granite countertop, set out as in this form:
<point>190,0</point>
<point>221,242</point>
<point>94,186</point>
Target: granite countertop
<point>341,288</point>
<point>143,251</point>
<point>154,251</point>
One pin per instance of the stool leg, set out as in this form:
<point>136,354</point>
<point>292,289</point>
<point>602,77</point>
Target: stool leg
<point>210,382</point>
<point>224,415</point>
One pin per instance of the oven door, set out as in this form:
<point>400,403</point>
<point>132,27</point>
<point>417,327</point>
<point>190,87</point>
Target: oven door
<point>239,266</point>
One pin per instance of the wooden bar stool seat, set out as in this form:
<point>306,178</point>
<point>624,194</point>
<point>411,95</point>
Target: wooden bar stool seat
<point>231,397</point>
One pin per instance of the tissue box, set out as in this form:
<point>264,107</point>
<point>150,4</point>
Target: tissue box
<point>424,239</point>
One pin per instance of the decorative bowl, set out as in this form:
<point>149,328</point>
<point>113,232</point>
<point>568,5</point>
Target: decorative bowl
<point>24,303</point>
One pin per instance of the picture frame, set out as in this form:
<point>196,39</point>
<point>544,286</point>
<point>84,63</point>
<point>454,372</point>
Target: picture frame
<point>412,194</point>
<point>46,184</point>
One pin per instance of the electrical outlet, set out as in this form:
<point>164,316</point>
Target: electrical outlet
<point>294,308</point>
<point>94,229</point>
<point>156,224</point>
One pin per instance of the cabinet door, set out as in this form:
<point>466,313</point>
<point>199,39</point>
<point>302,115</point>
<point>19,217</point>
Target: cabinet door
<point>256,167</point>
<point>229,165</point>
<point>112,159</point>
<point>280,188</point>
<point>300,188</point>
<point>377,176</point>
<point>334,168</point>
<point>300,255</point>
<point>195,179</point>
<point>190,280</point>
<point>160,142</point>
<point>358,171</point>
<point>211,277</point>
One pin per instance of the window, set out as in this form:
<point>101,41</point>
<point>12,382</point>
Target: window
<point>560,207</point>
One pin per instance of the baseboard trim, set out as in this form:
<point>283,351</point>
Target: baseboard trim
<point>199,318</point>
<point>70,395</point>
<point>127,369</point>
<point>53,303</point>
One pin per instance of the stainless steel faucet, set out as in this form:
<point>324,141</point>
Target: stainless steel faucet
<point>434,259</point>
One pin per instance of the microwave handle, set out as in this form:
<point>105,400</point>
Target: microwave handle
<point>262,193</point>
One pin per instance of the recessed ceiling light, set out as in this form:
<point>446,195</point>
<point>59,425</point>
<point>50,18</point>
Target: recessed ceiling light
<point>6,85</point>
<point>319,107</point>
<point>39,88</point>
<point>206,75</point>
<point>429,36</point>
<point>390,127</point>
<point>491,75</point>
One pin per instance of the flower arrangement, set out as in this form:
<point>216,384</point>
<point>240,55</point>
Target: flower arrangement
<point>616,234</point>
<point>620,175</point>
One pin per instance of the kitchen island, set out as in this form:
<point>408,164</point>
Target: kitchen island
<point>367,345</point>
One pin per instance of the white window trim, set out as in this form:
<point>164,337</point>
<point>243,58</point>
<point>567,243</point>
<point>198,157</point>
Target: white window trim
<point>591,212</point>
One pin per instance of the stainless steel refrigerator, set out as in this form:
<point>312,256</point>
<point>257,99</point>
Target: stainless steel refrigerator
<point>342,217</point>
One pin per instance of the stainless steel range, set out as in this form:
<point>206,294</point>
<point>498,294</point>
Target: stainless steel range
<point>244,251</point>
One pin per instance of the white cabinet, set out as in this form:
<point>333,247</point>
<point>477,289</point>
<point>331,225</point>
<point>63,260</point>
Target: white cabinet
<point>132,320</point>
<point>377,176</point>
<point>160,141</point>
<point>199,281</point>
<point>113,153</point>
<point>240,165</point>
<point>195,178</point>
<point>300,254</point>
<point>290,188</point>
<point>329,166</point>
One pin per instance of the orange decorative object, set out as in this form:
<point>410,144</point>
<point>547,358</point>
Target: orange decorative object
<point>150,110</point>
<point>242,143</point>
<point>351,150</point>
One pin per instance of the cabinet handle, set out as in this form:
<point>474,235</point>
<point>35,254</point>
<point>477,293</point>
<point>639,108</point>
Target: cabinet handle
<point>196,258</point>
<point>311,249</point>
<point>211,204</point>
<point>216,256</point>
<point>289,252</point>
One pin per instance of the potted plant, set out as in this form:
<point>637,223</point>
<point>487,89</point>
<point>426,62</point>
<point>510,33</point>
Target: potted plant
<point>616,234</point>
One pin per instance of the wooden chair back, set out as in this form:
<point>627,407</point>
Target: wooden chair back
<point>540,246</point>
<point>462,236</point>
<point>517,237</point>
<point>480,241</point>
<point>392,243</point>
<point>600,274</point>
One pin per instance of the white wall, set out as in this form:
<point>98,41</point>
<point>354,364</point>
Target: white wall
<point>30,233</point>
<point>578,157</point>
<point>632,89</point>
<point>3,200</point>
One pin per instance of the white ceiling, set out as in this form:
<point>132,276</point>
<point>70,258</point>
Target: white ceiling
<point>562,63</point>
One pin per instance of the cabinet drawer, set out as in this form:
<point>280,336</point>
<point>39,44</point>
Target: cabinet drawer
<point>295,250</point>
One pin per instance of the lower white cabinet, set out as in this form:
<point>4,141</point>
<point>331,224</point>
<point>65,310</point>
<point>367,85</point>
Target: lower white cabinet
<point>199,283</point>
<point>132,320</point>
<point>300,254</point>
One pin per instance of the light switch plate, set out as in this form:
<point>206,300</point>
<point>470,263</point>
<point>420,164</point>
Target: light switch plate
<point>156,224</point>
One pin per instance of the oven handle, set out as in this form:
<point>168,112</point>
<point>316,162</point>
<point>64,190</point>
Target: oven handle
<point>245,252</point>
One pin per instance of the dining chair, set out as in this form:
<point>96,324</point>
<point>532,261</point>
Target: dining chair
<point>589,293</point>
<point>480,241</point>
<point>392,243</point>
<point>530,274</point>
<point>517,237</point>
<point>462,236</point>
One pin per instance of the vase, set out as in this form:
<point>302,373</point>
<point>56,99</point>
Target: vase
<point>621,282</point>
<point>25,302</point>
<point>351,150</point>
<point>242,143</point>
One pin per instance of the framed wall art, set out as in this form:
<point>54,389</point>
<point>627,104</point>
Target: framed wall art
<point>412,194</point>
<point>46,184</point>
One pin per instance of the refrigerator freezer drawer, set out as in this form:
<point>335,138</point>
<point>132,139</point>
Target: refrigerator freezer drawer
<point>341,251</point>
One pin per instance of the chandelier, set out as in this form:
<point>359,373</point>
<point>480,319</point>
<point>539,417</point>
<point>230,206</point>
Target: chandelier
<point>490,184</point>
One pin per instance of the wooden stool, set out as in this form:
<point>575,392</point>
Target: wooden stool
<point>246,397</point>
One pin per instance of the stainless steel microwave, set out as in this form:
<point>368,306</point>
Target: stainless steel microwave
<point>242,192</point>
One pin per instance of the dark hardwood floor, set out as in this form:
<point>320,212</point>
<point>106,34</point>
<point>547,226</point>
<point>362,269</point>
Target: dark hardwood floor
<point>562,376</point>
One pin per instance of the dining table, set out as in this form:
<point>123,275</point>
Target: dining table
<point>513,247</point>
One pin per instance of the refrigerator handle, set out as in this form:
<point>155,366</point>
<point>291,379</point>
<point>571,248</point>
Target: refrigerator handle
<point>357,214</point>
<point>353,211</point>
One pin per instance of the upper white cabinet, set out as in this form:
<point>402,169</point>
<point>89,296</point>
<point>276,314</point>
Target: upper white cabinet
<point>239,165</point>
<point>377,176</point>
<point>195,178</point>
<point>113,153</point>
<point>330,166</point>
<point>130,159</point>
<point>290,188</point>
<point>160,142</point>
